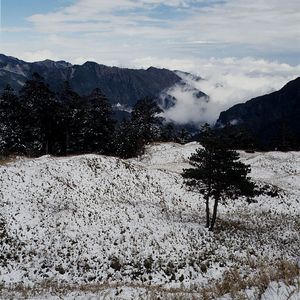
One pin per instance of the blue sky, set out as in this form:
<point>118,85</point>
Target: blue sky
<point>125,31</point>
<point>15,12</point>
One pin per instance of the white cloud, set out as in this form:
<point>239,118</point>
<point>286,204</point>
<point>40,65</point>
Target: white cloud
<point>39,55</point>
<point>271,25</point>
<point>14,29</point>
<point>92,15</point>
<point>188,109</point>
<point>123,30</point>
<point>258,23</point>
<point>227,81</point>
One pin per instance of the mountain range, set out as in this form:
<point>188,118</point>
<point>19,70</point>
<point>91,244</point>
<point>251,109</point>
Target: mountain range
<point>270,117</point>
<point>123,87</point>
<point>267,116</point>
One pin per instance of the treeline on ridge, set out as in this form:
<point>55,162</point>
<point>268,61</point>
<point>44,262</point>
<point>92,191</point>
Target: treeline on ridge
<point>38,121</point>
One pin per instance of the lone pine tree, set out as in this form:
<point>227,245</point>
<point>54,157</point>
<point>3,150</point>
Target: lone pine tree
<point>217,173</point>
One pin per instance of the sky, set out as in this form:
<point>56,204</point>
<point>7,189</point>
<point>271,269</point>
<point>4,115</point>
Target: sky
<point>246,47</point>
<point>122,31</point>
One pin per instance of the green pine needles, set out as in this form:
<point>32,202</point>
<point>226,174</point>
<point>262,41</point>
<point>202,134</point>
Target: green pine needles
<point>217,173</point>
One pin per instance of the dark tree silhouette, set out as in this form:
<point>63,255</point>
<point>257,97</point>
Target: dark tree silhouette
<point>98,125</point>
<point>238,137</point>
<point>217,173</point>
<point>127,142</point>
<point>183,136</point>
<point>71,120</point>
<point>10,128</point>
<point>143,128</point>
<point>145,118</point>
<point>37,104</point>
<point>41,122</point>
<point>168,133</point>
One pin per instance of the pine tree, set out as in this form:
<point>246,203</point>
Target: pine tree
<point>238,137</point>
<point>183,136</point>
<point>143,128</point>
<point>284,138</point>
<point>71,121</point>
<point>10,129</point>
<point>98,125</point>
<point>217,173</point>
<point>127,142</point>
<point>37,102</point>
<point>145,118</point>
<point>168,133</point>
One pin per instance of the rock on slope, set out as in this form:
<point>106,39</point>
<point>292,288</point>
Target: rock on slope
<point>97,221</point>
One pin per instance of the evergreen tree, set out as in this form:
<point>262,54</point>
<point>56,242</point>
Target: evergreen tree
<point>238,137</point>
<point>98,125</point>
<point>143,128</point>
<point>128,141</point>
<point>10,129</point>
<point>71,121</point>
<point>217,173</point>
<point>284,138</point>
<point>183,136</point>
<point>145,118</point>
<point>37,103</point>
<point>168,133</point>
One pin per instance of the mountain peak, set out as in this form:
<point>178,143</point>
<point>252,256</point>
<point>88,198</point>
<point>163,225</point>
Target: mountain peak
<point>293,83</point>
<point>54,64</point>
<point>9,59</point>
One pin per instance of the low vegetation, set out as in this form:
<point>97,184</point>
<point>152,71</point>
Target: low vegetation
<point>128,228</point>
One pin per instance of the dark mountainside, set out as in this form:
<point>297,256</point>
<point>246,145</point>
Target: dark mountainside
<point>124,86</point>
<point>273,118</point>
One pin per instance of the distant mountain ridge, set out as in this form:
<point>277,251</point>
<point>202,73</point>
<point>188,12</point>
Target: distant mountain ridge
<point>272,116</point>
<point>121,85</point>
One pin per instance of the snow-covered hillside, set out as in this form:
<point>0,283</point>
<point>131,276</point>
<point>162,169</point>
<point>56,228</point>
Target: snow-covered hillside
<point>127,229</point>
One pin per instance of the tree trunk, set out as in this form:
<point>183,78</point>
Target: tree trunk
<point>214,217</point>
<point>207,211</point>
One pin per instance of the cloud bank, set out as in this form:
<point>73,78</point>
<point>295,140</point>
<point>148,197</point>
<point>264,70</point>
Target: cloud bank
<point>227,81</point>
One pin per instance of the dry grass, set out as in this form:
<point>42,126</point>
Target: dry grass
<point>4,160</point>
<point>233,283</point>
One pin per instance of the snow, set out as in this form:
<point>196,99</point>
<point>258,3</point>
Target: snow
<point>274,291</point>
<point>100,220</point>
<point>279,291</point>
<point>17,69</point>
<point>168,156</point>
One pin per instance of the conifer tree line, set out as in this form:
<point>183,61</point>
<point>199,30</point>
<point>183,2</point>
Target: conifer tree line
<point>38,121</point>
